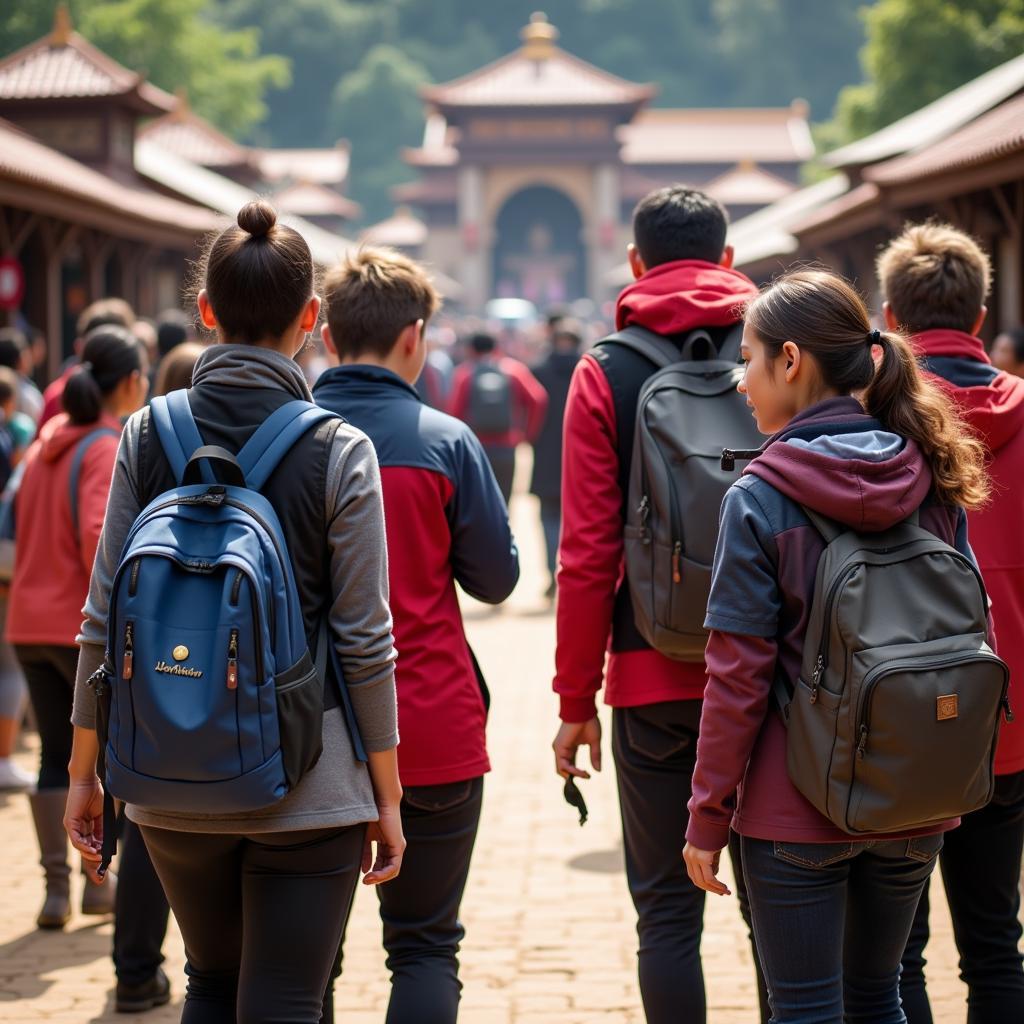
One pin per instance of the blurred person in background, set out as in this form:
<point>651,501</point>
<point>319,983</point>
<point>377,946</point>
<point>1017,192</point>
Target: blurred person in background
<point>56,538</point>
<point>175,370</point>
<point>173,328</point>
<point>1008,352</point>
<point>16,354</point>
<point>554,374</point>
<point>502,402</point>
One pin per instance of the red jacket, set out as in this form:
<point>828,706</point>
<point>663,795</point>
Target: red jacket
<point>52,568</point>
<point>670,299</point>
<point>993,404</point>
<point>529,401</point>
<point>53,396</point>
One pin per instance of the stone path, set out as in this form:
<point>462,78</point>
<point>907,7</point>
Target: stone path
<point>550,926</point>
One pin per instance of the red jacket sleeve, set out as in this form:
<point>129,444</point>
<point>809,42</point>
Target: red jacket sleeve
<point>93,489</point>
<point>740,673</point>
<point>590,552</point>
<point>532,397</point>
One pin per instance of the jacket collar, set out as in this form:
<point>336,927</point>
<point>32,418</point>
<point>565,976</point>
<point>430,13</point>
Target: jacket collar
<point>250,366</point>
<point>364,377</point>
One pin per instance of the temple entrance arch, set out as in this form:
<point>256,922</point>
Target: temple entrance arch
<point>539,247</point>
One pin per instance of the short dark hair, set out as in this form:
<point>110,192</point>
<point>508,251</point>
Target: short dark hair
<point>173,328</point>
<point>679,223</point>
<point>104,313</point>
<point>372,296</point>
<point>13,345</point>
<point>482,343</point>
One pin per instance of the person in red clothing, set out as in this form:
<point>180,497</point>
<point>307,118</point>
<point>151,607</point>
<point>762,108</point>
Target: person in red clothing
<point>935,280</point>
<point>446,524</point>
<point>683,281</point>
<point>831,912</point>
<point>71,461</point>
<point>102,313</point>
<point>502,402</point>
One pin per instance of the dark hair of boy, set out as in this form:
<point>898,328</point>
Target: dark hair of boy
<point>935,277</point>
<point>371,296</point>
<point>173,328</point>
<point>257,248</point>
<point>482,344</point>
<point>104,312</point>
<point>13,345</point>
<point>679,223</point>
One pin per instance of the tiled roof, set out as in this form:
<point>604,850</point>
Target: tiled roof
<point>23,159</point>
<point>308,199</point>
<point>194,138</point>
<point>936,120</point>
<point>557,80</point>
<point>766,135</point>
<point>998,133</point>
<point>70,67</point>
<point>327,166</point>
<point>403,230</point>
<point>853,202</point>
<point>749,185</point>
<point>434,189</point>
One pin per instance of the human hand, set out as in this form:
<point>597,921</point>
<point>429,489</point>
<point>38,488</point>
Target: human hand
<point>569,738</point>
<point>702,867</point>
<point>83,821</point>
<point>387,834</point>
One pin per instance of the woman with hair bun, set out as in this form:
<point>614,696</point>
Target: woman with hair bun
<point>262,896</point>
<point>71,461</point>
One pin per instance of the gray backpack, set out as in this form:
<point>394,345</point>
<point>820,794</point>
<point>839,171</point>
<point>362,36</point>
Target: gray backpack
<point>894,720</point>
<point>490,399</point>
<point>687,410</point>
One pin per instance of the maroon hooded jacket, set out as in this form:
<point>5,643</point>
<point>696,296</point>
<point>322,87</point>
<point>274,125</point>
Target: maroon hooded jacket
<point>837,460</point>
<point>993,404</point>
<point>670,299</point>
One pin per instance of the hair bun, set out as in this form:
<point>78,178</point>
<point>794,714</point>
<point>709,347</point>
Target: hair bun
<point>257,217</point>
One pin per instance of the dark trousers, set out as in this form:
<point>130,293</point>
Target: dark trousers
<point>655,748</point>
<point>261,916</point>
<point>551,524</point>
<point>981,863</point>
<point>49,671</point>
<point>503,461</point>
<point>140,911</point>
<point>831,921</point>
<point>420,908</point>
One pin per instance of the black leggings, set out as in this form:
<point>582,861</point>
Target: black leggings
<point>261,916</point>
<point>50,674</point>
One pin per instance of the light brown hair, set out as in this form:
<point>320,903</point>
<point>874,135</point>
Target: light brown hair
<point>372,296</point>
<point>175,370</point>
<point>934,276</point>
<point>825,317</point>
<point>104,312</point>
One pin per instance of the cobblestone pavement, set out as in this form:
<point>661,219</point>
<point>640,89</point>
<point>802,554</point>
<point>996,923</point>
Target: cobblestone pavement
<point>550,929</point>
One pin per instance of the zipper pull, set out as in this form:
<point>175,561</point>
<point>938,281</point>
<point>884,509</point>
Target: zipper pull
<point>863,742</point>
<point>129,651</point>
<point>1008,715</point>
<point>233,661</point>
<point>644,510</point>
<point>819,671</point>
<point>677,576</point>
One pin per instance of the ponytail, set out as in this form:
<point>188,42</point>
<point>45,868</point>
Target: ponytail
<point>110,354</point>
<point>825,317</point>
<point>906,403</point>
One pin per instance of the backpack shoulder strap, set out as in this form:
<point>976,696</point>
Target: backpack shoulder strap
<point>77,459</point>
<point>729,350</point>
<point>179,436</point>
<point>829,529</point>
<point>275,437</point>
<point>653,347</point>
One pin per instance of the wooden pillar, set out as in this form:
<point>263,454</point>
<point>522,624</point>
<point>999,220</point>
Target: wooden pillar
<point>57,238</point>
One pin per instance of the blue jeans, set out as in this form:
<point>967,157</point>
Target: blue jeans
<point>831,921</point>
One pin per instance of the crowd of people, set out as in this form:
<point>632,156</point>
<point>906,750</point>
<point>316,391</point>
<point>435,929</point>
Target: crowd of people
<point>255,788</point>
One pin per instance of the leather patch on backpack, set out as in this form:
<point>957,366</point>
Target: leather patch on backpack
<point>946,707</point>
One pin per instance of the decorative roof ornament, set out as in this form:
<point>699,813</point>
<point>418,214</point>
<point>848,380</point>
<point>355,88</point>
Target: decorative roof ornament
<point>539,37</point>
<point>62,27</point>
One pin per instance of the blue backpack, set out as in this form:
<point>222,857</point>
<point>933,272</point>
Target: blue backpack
<point>209,700</point>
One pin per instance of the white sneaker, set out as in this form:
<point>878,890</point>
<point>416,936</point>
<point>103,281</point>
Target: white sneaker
<point>14,777</point>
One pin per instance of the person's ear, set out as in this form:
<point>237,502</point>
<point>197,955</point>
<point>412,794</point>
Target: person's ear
<point>728,255</point>
<point>310,315</point>
<point>636,262</point>
<point>891,321</point>
<point>408,340</point>
<point>980,320</point>
<point>791,354</point>
<point>328,339</point>
<point>206,316</point>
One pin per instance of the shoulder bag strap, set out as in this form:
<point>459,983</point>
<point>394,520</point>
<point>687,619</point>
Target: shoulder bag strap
<point>179,436</point>
<point>275,437</point>
<point>653,347</point>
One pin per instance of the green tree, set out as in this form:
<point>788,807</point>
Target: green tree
<point>918,50</point>
<point>175,44</point>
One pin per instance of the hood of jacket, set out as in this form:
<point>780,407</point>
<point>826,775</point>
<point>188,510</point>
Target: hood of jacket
<point>683,295</point>
<point>991,401</point>
<point>60,434</point>
<point>840,462</point>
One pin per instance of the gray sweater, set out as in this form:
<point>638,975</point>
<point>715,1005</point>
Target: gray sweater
<point>337,791</point>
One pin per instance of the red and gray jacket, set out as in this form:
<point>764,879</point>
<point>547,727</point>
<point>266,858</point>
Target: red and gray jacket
<point>594,612</point>
<point>993,404</point>
<point>446,522</point>
<point>842,463</point>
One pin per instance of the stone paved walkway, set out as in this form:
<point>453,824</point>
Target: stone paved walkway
<point>550,926</point>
